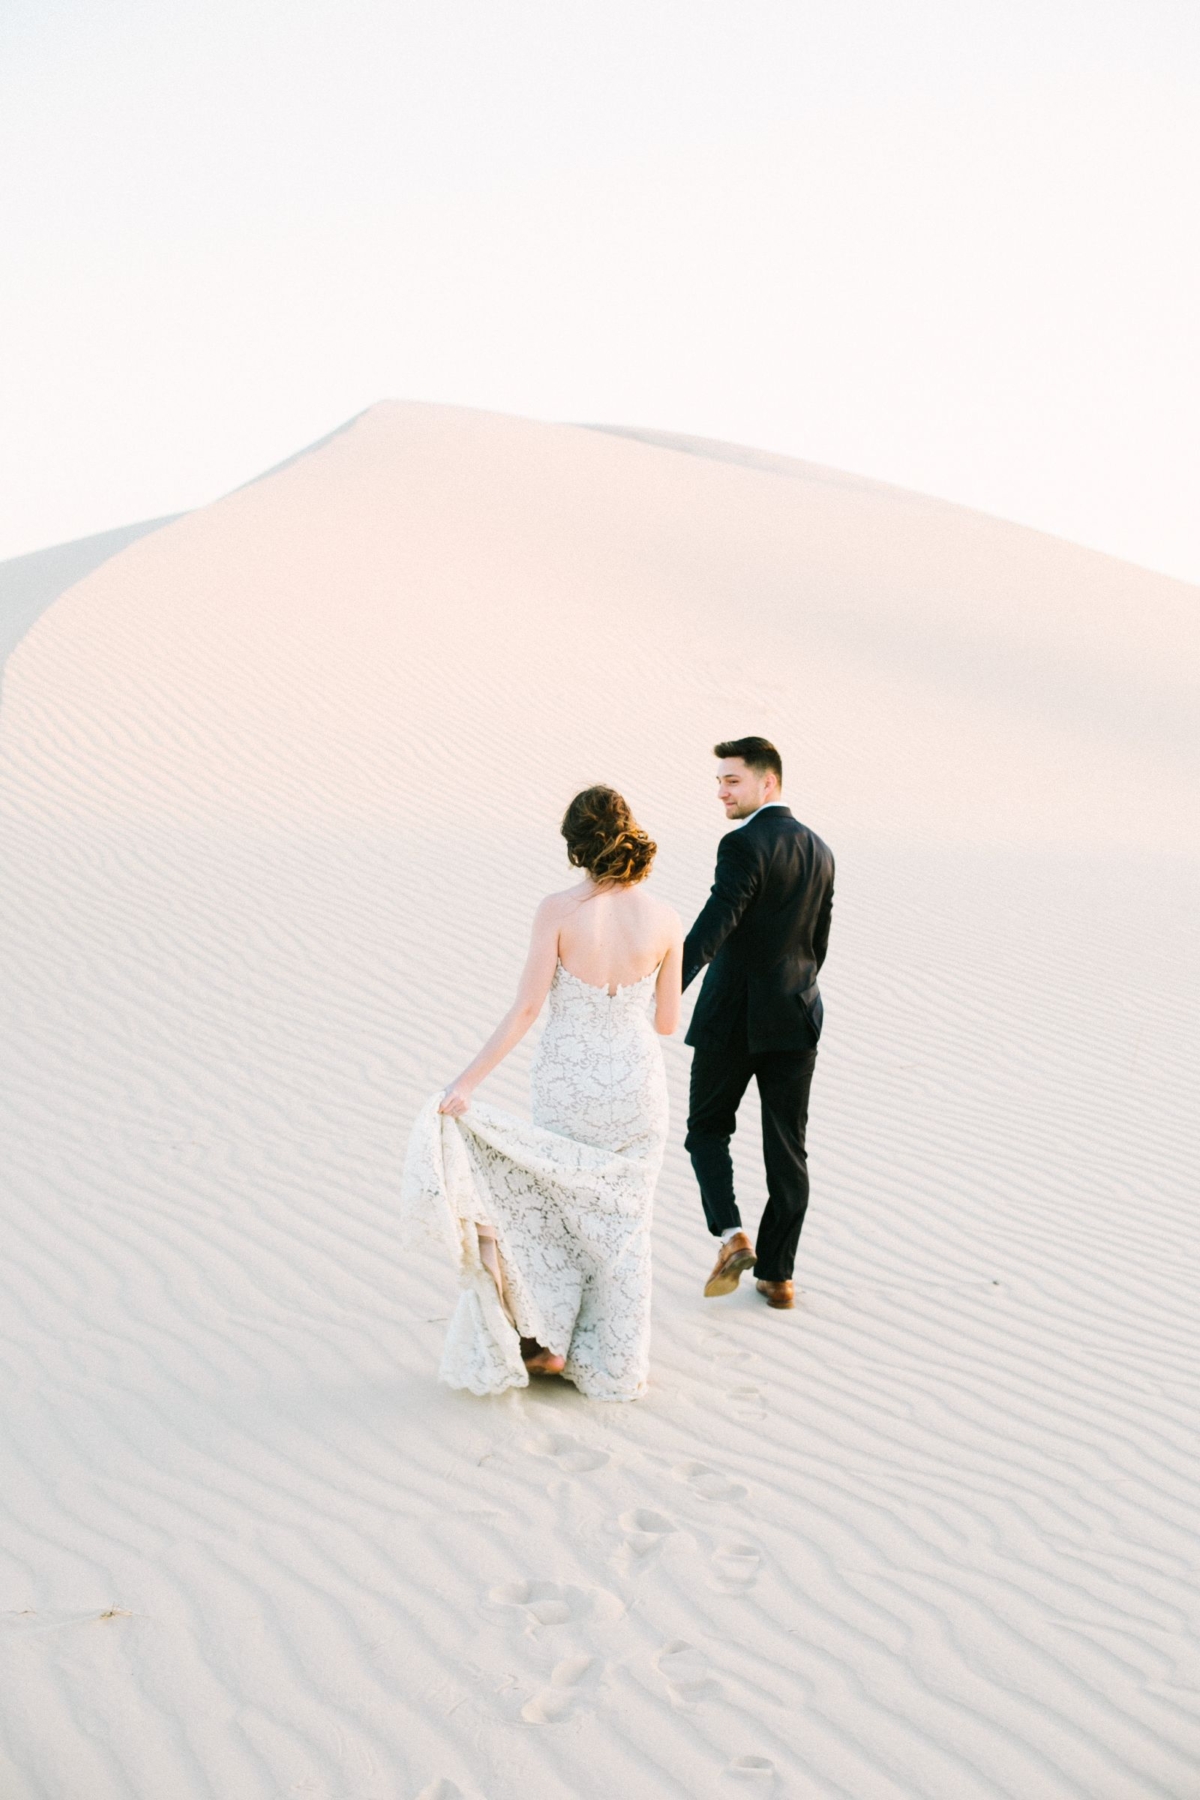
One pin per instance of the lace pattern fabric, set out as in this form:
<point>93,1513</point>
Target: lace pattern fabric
<point>567,1198</point>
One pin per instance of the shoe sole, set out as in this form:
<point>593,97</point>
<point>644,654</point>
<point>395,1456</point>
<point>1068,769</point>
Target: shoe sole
<point>730,1275</point>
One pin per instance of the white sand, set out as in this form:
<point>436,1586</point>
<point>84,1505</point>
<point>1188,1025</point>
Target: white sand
<point>279,785</point>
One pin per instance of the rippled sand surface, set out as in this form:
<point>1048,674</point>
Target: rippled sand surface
<point>279,785</point>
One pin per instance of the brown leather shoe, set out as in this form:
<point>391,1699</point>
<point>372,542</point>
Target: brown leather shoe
<point>735,1258</point>
<point>779,1294</point>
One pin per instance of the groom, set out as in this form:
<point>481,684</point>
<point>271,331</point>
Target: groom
<point>765,930</point>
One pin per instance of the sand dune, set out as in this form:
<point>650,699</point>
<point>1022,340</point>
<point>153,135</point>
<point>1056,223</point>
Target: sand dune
<point>279,782</point>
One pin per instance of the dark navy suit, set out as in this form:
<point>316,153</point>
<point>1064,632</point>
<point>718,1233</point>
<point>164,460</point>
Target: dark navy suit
<point>763,934</point>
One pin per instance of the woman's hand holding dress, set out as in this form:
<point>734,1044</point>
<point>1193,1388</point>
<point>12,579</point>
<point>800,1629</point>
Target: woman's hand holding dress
<point>456,1098</point>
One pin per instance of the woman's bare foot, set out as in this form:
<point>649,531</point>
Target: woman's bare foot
<point>540,1361</point>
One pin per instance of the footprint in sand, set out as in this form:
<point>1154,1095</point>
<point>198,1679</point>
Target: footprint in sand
<point>731,1354</point>
<point>441,1789</point>
<point>552,1704</point>
<point>572,1457</point>
<point>644,1530</point>
<point>708,1483</point>
<point>547,1603</point>
<point>735,1567</point>
<point>746,1403</point>
<point>685,1671</point>
<point>752,1768</point>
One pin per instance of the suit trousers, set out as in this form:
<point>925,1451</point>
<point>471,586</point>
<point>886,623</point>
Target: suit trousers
<point>721,1073</point>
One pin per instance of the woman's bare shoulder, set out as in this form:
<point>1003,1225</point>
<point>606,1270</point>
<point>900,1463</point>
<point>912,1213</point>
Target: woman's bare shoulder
<point>558,905</point>
<point>664,912</point>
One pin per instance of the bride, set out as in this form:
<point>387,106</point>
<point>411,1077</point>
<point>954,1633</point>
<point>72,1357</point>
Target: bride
<point>549,1223</point>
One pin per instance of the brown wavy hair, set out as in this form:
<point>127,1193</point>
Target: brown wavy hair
<point>605,839</point>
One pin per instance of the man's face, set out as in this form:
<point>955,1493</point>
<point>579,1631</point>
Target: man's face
<point>742,791</point>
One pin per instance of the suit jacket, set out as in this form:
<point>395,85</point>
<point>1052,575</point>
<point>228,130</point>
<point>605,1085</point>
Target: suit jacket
<point>764,931</point>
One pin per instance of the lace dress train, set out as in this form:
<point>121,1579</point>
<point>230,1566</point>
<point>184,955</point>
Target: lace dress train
<point>548,1222</point>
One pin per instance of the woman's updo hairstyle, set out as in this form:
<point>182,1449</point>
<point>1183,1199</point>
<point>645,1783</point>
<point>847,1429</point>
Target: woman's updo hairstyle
<point>605,839</point>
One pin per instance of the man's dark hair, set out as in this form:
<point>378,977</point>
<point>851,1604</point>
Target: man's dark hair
<point>757,753</point>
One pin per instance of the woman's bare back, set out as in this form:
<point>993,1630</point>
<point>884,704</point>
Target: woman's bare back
<point>612,937</point>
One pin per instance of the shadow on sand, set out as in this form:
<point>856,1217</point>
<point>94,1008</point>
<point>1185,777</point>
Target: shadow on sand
<point>29,584</point>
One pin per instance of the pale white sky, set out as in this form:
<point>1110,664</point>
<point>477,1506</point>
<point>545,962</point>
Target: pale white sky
<point>949,243</point>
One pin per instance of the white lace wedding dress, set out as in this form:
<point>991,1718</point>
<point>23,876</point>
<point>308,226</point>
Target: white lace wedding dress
<point>549,1223</point>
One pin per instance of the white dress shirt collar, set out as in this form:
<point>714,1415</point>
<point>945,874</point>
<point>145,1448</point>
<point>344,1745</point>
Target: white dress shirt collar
<point>760,809</point>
